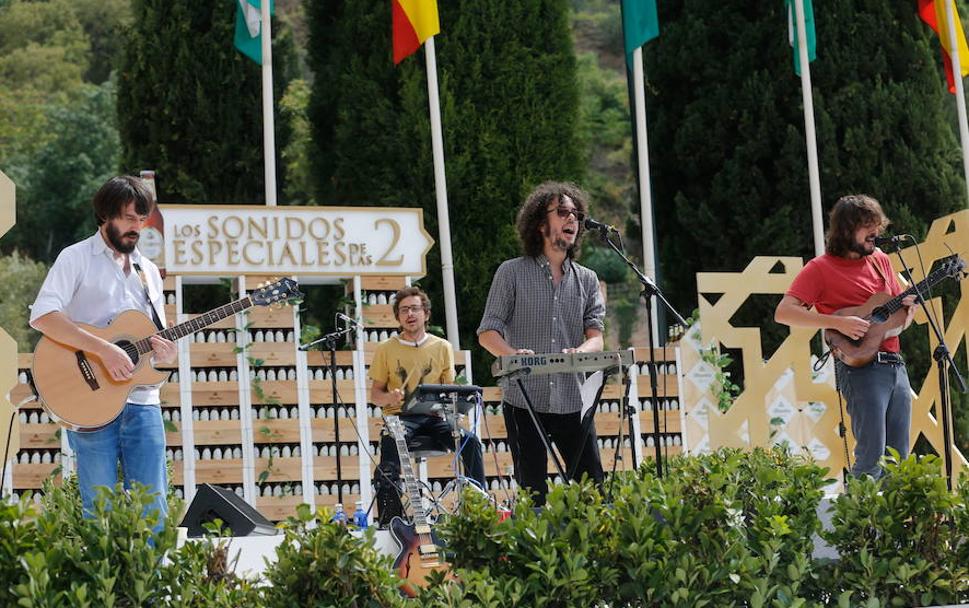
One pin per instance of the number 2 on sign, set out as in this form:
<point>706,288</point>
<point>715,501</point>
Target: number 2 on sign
<point>395,228</point>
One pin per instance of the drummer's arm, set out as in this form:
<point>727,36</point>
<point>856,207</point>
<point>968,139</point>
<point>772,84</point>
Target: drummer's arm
<point>379,395</point>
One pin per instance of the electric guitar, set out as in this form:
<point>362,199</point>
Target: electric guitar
<point>420,552</point>
<point>78,391</point>
<point>886,315</point>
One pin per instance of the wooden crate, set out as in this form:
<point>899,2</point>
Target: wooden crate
<point>215,393</point>
<point>278,508</point>
<point>170,395</point>
<point>378,283</point>
<point>275,431</point>
<point>275,317</point>
<point>217,432</point>
<point>273,354</point>
<point>323,430</point>
<point>379,316</point>
<point>219,472</point>
<point>32,476</point>
<point>321,358</point>
<point>324,468</point>
<point>280,469</point>
<point>212,354</point>
<point>40,436</point>
<point>321,392</point>
<point>275,392</point>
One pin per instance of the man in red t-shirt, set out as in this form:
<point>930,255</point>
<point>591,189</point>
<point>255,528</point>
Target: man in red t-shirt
<point>851,270</point>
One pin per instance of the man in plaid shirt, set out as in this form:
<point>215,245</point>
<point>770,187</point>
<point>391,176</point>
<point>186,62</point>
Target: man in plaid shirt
<point>545,302</point>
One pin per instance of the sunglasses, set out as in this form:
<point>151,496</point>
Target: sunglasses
<point>565,212</point>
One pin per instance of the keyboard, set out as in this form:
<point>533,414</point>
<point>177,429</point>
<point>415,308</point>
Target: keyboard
<point>557,363</point>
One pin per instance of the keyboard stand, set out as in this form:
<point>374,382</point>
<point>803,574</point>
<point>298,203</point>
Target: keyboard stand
<point>538,424</point>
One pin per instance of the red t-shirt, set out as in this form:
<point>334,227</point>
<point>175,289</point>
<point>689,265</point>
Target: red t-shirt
<point>830,283</point>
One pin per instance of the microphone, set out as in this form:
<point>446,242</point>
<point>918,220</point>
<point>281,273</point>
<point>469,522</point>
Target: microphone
<point>881,241</point>
<point>591,224</point>
<point>346,319</point>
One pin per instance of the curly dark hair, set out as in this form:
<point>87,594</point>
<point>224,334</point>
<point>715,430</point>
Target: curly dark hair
<point>851,212</point>
<point>111,199</point>
<point>534,212</point>
<point>407,292</point>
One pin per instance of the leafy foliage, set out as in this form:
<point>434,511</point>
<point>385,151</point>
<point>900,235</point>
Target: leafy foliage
<point>21,278</point>
<point>168,113</point>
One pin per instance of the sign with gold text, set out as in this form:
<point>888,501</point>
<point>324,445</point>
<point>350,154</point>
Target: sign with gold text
<point>330,241</point>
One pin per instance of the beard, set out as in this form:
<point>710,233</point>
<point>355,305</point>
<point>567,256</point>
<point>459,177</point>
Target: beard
<point>558,242</point>
<point>862,249</point>
<point>115,236</point>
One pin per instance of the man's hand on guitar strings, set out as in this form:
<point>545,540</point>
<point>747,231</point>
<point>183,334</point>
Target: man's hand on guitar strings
<point>165,351</point>
<point>853,327</point>
<point>116,361</point>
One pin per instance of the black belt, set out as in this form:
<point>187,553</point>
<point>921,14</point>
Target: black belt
<point>889,358</point>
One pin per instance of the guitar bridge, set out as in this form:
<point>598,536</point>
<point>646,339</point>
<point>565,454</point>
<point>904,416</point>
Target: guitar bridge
<point>87,372</point>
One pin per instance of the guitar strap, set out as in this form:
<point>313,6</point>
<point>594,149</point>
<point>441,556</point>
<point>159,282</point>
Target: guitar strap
<point>144,283</point>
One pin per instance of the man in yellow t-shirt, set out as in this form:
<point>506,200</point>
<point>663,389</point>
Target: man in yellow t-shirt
<point>399,365</point>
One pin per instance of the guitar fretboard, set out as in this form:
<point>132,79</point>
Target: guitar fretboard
<point>396,428</point>
<point>193,325</point>
<point>895,304</point>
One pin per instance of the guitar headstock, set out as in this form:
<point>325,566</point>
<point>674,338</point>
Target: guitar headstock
<point>282,291</point>
<point>953,266</point>
<point>675,333</point>
<point>393,424</point>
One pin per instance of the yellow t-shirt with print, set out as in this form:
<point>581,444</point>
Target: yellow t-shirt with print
<point>404,366</point>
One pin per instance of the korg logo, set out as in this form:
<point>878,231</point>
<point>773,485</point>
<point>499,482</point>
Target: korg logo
<point>532,360</point>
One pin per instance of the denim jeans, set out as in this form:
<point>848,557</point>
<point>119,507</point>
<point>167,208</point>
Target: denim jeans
<point>136,438</point>
<point>879,399</point>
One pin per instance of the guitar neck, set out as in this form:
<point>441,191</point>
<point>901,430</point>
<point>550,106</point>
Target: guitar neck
<point>181,330</point>
<point>407,474</point>
<point>928,282</point>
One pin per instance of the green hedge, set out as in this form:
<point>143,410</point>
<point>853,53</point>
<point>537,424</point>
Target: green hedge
<point>727,529</point>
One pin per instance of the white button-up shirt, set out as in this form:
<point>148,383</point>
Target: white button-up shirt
<point>89,286</point>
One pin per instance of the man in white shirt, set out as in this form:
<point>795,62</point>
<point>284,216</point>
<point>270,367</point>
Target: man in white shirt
<point>91,282</point>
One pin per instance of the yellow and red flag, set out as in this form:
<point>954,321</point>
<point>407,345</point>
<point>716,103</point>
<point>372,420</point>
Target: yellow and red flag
<point>934,14</point>
<point>414,22</point>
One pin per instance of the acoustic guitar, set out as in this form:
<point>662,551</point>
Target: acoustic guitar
<point>886,315</point>
<point>78,391</point>
<point>420,553</point>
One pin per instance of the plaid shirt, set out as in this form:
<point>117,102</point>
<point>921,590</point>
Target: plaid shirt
<point>529,311</point>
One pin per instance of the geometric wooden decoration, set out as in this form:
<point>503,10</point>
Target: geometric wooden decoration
<point>8,347</point>
<point>783,399</point>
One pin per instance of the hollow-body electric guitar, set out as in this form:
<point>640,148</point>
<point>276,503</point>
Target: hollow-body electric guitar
<point>886,315</point>
<point>420,552</point>
<point>78,391</point>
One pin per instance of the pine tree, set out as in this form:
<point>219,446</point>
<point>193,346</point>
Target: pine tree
<point>189,104</point>
<point>509,96</point>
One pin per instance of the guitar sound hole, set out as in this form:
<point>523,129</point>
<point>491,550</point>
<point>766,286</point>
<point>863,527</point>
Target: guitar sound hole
<point>879,315</point>
<point>129,348</point>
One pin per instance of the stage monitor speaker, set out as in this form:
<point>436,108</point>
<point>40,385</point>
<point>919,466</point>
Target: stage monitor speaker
<point>214,502</point>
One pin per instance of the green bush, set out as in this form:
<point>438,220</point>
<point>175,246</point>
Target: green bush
<point>724,529</point>
<point>321,564</point>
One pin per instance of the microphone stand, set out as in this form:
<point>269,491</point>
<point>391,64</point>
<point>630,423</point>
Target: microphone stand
<point>943,361</point>
<point>650,290</point>
<point>330,340</point>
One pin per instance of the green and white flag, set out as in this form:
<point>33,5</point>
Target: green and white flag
<point>248,38</point>
<point>808,29</point>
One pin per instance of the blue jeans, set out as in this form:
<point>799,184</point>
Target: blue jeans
<point>879,399</point>
<point>136,438</point>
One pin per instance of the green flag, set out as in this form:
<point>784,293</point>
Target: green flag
<point>639,24</point>
<point>248,38</point>
<point>808,28</point>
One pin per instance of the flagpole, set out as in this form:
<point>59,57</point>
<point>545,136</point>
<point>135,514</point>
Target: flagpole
<point>960,92</point>
<point>645,189</point>
<point>810,135</point>
<point>268,122</point>
<point>440,191</point>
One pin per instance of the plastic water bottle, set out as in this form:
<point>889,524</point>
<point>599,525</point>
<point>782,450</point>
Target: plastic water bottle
<point>339,515</point>
<point>360,516</point>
